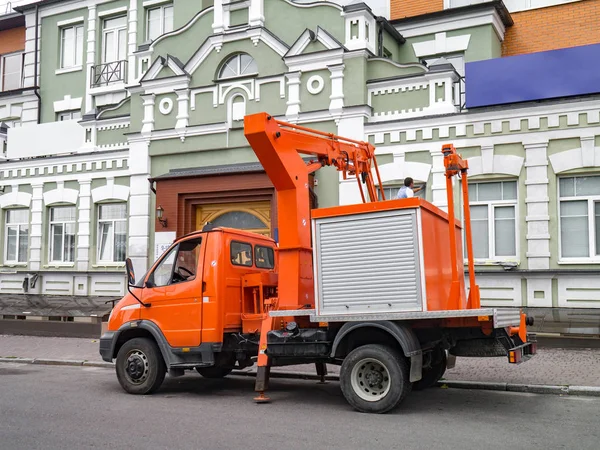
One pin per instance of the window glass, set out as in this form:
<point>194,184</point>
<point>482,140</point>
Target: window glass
<point>238,65</point>
<point>163,272</point>
<point>240,220</point>
<point>505,231</point>
<point>71,53</point>
<point>62,234</point>
<point>112,232</point>
<point>480,231</point>
<point>264,257</point>
<point>17,235</point>
<point>179,265</point>
<point>241,254</point>
<point>11,71</point>
<point>574,229</point>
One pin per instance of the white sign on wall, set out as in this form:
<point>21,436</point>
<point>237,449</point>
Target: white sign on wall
<point>162,241</point>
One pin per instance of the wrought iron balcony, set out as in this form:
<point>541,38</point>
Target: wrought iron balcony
<point>109,73</point>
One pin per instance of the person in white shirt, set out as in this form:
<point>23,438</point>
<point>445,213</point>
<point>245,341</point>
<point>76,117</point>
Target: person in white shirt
<point>407,191</point>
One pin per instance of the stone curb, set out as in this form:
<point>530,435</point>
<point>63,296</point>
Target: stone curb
<point>588,391</point>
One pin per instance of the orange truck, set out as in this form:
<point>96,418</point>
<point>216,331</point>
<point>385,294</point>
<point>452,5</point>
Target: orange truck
<point>377,288</point>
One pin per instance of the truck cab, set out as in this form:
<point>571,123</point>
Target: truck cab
<point>205,286</point>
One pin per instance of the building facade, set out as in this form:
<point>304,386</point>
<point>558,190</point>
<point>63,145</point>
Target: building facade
<point>140,134</point>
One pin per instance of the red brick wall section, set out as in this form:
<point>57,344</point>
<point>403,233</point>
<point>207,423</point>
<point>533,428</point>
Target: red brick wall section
<point>400,9</point>
<point>552,28</point>
<point>12,40</point>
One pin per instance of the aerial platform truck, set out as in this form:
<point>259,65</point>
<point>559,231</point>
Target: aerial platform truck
<point>377,288</point>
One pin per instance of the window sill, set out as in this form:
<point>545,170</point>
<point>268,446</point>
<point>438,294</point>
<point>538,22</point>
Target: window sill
<point>108,265</point>
<point>506,263</point>
<point>58,265</point>
<point>12,266</point>
<point>579,261</point>
<point>68,70</point>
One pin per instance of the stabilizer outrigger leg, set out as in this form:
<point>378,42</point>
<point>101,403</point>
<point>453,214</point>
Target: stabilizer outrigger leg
<point>321,371</point>
<point>264,367</point>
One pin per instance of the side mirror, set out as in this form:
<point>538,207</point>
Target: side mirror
<point>130,272</point>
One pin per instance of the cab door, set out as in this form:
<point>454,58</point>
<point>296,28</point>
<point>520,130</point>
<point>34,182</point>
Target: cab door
<point>174,290</point>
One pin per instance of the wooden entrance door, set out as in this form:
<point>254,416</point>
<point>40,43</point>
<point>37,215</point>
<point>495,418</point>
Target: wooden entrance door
<point>249,216</point>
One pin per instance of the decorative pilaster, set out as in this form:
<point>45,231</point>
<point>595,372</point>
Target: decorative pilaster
<point>256,15</point>
<point>293,103</point>
<point>537,199</point>
<point>183,114</point>
<point>148,121</point>
<point>139,206</point>
<point>84,220</point>
<point>91,56</point>
<point>218,25</point>
<point>35,243</point>
<point>438,184</point>
<point>132,40</point>
<point>337,89</point>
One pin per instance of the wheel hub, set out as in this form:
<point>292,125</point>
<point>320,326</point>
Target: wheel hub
<point>137,366</point>
<point>370,380</point>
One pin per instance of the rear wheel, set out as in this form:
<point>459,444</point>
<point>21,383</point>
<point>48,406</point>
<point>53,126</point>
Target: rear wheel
<point>374,378</point>
<point>140,366</point>
<point>432,374</point>
<point>213,372</point>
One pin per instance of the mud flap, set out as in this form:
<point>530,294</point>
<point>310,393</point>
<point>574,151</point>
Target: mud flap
<point>416,367</point>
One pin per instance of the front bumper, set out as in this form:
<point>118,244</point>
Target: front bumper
<point>107,345</point>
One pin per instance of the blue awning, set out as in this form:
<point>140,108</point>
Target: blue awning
<point>536,76</point>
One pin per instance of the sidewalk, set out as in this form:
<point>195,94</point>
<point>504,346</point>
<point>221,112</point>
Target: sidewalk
<point>551,366</point>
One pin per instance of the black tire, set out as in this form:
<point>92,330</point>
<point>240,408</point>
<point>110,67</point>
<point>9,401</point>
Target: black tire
<point>213,372</point>
<point>369,366</point>
<point>431,375</point>
<point>140,366</point>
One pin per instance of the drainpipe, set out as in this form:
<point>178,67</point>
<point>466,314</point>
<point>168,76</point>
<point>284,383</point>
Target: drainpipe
<point>35,68</point>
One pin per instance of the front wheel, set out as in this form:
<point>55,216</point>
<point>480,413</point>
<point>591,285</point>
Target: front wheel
<point>140,366</point>
<point>374,378</point>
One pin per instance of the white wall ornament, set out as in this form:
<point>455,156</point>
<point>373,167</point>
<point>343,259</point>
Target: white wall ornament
<point>315,84</point>
<point>165,106</point>
<point>110,191</point>
<point>442,44</point>
<point>68,104</point>
<point>15,198</point>
<point>61,195</point>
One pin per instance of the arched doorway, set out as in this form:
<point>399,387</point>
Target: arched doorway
<point>248,216</point>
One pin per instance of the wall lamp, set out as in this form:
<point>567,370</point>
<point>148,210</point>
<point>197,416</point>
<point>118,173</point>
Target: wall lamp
<point>159,215</point>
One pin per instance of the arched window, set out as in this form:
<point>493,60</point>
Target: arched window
<point>237,66</point>
<point>239,219</point>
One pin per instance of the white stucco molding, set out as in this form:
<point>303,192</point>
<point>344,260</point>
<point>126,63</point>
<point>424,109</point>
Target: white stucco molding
<point>110,191</point>
<point>61,195</point>
<point>309,36</point>
<point>586,156</point>
<point>68,104</point>
<point>400,169</point>
<point>442,44</point>
<point>15,198</point>
<point>499,164</point>
<point>160,63</point>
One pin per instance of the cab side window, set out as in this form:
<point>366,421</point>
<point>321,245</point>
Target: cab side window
<point>241,254</point>
<point>264,257</point>
<point>179,265</point>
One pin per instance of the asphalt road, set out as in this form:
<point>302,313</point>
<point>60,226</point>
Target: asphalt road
<point>72,408</point>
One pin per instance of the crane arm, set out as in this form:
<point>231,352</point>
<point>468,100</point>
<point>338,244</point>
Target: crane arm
<point>279,146</point>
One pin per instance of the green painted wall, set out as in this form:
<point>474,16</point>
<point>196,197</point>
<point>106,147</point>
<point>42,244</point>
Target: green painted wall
<point>328,187</point>
<point>54,87</point>
<point>165,121</point>
<point>270,100</point>
<point>122,109</point>
<point>484,43</point>
<point>288,22</point>
<point>561,145</point>
<point>313,47</point>
<point>418,157</point>
<point>162,164</point>
<point>239,17</point>
<point>310,102</point>
<point>355,74</point>
<point>383,68</point>
<point>400,100</point>
<point>111,136</point>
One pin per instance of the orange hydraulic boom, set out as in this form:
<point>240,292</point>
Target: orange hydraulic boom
<point>278,146</point>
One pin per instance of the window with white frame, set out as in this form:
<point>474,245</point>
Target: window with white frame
<point>69,115</point>
<point>11,71</point>
<point>16,235</point>
<point>238,65</point>
<point>112,232</point>
<point>159,21</point>
<point>71,49</point>
<point>114,39</point>
<point>391,191</point>
<point>579,211</point>
<point>493,209</point>
<point>62,234</point>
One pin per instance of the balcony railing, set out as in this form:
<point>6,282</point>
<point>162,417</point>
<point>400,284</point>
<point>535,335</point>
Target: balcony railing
<point>109,73</point>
